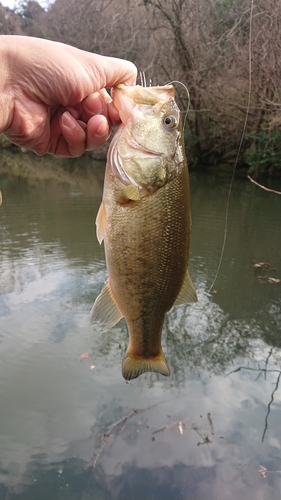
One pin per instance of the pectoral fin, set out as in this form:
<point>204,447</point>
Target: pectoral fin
<point>129,192</point>
<point>187,293</point>
<point>105,311</point>
<point>100,223</point>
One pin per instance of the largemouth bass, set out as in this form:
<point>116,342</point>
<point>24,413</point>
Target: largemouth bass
<point>144,220</point>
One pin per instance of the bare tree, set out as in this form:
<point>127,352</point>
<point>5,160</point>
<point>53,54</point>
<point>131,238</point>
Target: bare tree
<point>202,43</point>
<point>10,22</point>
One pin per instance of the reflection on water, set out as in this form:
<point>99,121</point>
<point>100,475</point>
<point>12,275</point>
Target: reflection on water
<point>200,433</point>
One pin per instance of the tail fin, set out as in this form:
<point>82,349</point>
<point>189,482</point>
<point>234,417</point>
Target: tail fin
<point>133,367</point>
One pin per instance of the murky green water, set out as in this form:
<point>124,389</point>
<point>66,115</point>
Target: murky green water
<point>200,434</point>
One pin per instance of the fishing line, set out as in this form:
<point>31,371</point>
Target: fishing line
<point>239,147</point>
<point>143,84</point>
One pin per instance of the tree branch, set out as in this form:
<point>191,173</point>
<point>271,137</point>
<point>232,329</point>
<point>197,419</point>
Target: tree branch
<point>263,187</point>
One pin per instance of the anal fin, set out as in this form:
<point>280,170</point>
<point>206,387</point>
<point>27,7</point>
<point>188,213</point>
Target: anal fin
<point>105,311</point>
<point>187,292</point>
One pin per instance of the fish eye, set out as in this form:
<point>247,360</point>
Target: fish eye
<point>170,121</point>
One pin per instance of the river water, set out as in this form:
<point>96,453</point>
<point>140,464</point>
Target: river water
<point>70,427</point>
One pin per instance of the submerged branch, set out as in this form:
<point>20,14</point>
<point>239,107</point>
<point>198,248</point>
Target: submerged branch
<point>263,187</point>
<point>252,369</point>
<point>106,437</point>
<point>211,424</point>
<point>180,425</point>
<point>269,405</point>
<point>265,371</point>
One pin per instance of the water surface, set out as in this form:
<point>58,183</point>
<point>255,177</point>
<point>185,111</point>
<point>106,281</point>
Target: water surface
<point>201,433</point>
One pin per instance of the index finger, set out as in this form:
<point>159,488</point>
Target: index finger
<point>111,71</point>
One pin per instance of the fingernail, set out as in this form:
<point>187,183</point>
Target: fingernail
<point>103,128</point>
<point>68,120</point>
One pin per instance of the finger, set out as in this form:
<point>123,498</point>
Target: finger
<point>94,104</point>
<point>75,111</point>
<point>113,114</point>
<point>98,131</point>
<point>114,74</point>
<point>72,140</point>
<point>100,103</point>
<point>112,111</point>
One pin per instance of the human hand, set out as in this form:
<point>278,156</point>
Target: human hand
<point>53,97</point>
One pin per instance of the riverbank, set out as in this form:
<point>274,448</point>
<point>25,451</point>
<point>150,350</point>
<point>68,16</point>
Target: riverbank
<point>27,165</point>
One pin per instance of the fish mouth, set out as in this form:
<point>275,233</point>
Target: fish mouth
<point>141,95</point>
<point>126,98</point>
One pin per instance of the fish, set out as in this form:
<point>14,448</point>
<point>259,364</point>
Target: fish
<point>145,222</point>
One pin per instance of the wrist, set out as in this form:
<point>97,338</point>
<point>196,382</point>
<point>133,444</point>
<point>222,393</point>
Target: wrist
<point>5,83</point>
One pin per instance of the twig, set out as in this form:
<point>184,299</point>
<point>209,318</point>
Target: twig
<point>106,437</point>
<point>265,371</point>
<point>179,425</point>
<point>205,438</point>
<point>267,360</point>
<point>269,405</point>
<point>264,471</point>
<point>252,369</point>
<point>263,187</point>
<point>211,424</point>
